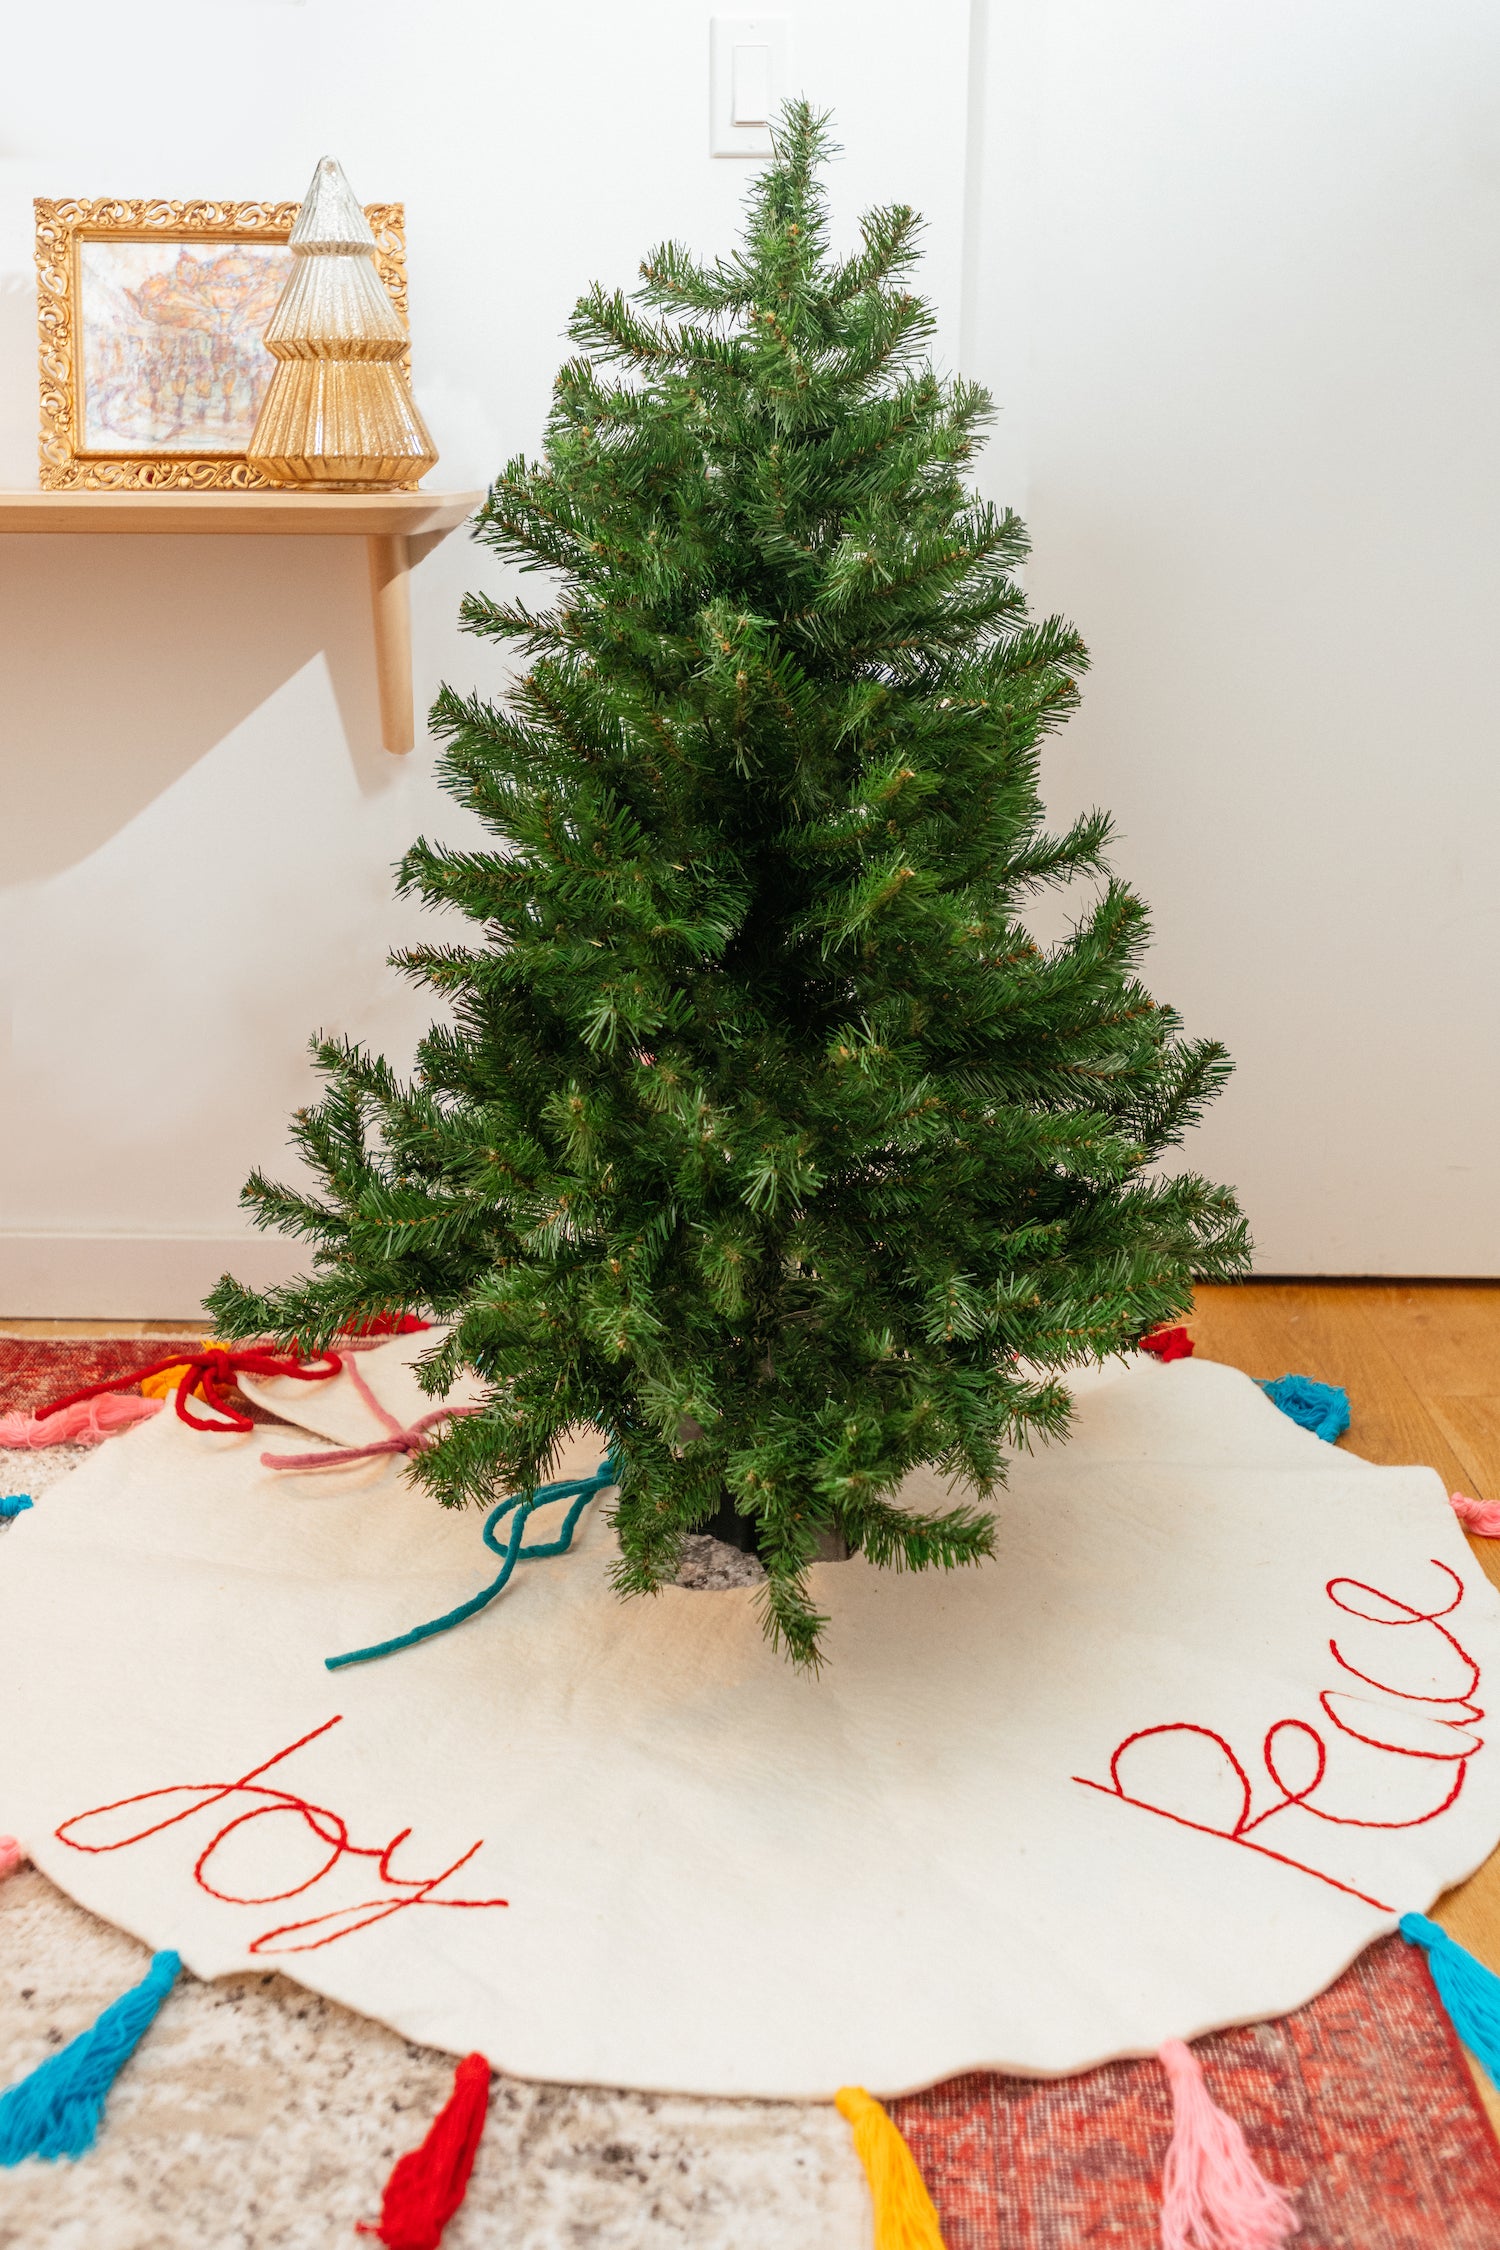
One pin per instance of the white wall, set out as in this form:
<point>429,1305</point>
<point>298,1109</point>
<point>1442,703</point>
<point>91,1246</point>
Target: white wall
<point>199,825</point>
<point>1239,276</point>
<point>1233,274</point>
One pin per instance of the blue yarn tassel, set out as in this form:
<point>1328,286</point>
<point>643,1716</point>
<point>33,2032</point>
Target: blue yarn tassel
<point>55,2111</point>
<point>581,1490</point>
<point>1468,1990</point>
<point>13,1504</point>
<point>1320,1407</point>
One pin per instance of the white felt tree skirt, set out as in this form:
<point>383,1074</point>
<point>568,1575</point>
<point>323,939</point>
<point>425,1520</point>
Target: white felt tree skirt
<point>1189,1743</point>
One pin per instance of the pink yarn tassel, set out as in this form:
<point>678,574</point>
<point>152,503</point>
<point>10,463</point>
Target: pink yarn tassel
<point>1482,1517</point>
<point>84,1424</point>
<point>1213,2196</point>
<point>11,1856</point>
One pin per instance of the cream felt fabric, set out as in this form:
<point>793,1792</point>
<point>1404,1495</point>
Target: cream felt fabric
<point>334,1409</point>
<point>920,1854</point>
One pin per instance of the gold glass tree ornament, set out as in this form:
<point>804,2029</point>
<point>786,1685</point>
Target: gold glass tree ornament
<point>338,412</point>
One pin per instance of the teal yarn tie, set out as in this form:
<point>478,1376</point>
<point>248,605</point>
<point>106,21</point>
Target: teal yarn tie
<point>55,2111</point>
<point>580,1490</point>
<point>1468,1990</point>
<point>1320,1407</point>
<point>13,1504</point>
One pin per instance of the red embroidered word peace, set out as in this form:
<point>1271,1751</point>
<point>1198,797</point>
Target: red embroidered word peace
<point>261,1803</point>
<point>1277,1747</point>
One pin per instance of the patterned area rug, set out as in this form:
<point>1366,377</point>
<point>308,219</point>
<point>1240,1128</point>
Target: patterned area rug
<point>1361,2105</point>
<point>36,1370</point>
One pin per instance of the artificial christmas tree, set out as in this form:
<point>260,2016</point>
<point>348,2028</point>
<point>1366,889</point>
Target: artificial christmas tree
<point>337,411</point>
<point>764,1136</point>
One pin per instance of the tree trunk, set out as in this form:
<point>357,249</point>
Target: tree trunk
<point>735,1530</point>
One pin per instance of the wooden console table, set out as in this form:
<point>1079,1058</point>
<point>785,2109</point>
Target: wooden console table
<point>398,528</point>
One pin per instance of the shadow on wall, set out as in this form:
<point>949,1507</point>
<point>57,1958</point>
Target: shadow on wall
<point>126,659</point>
<point>18,397</point>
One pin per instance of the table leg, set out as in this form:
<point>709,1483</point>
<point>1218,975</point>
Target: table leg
<point>390,598</point>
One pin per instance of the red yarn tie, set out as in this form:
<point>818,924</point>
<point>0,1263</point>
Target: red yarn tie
<point>86,1415</point>
<point>427,2185</point>
<point>209,1368</point>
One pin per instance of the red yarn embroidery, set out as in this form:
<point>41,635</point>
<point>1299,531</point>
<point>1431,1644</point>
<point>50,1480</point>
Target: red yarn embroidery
<point>327,1826</point>
<point>1465,1713</point>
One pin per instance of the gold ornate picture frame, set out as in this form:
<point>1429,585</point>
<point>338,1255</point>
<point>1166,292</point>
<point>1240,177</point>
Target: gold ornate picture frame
<point>150,316</point>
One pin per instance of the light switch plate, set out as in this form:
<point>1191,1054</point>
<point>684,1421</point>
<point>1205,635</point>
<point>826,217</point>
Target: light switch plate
<point>746,75</point>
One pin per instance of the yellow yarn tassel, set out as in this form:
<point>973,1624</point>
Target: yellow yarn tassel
<point>904,2215</point>
<point>164,1384</point>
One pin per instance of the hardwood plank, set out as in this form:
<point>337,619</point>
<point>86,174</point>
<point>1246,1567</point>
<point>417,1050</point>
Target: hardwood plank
<point>1446,1334</point>
<point>1239,1327</point>
<point>1326,1331</point>
<point>1334,1333</point>
<point>45,1328</point>
<point>1472,1428</point>
<point>1470,1913</point>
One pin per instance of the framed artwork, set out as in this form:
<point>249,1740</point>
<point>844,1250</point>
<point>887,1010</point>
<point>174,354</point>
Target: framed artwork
<point>151,316</point>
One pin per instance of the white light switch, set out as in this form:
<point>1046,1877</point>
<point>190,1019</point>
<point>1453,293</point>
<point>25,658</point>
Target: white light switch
<point>751,79</point>
<point>747,82</point>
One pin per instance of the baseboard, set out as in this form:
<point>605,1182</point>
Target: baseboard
<point>132,1276</point>
<point>167,1276</point>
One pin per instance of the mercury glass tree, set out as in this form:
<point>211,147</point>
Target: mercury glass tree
<point>337,411</point>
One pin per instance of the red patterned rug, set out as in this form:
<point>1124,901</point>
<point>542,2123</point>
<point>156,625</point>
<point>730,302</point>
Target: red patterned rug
<point>1360,2105</point>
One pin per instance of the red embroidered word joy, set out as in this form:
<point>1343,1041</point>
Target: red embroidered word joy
<point>248,1800</point>
<point>1446,1738</point>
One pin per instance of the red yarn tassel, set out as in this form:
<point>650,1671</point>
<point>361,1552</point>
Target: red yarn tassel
<point>427,2185</point>
<point>1168,1343</point>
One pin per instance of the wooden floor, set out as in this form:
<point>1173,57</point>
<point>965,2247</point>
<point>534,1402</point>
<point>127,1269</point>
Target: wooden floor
<point>101,1327</point>
<point>1421,1364</point>
<point>1419,1359</point>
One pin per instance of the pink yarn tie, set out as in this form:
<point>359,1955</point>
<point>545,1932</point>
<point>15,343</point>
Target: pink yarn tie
<point>1482,1517</point>
<point>85,1423</point>
<point>11,1856</point>
<point>1213,2195</point>
<point>416,1439</point>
